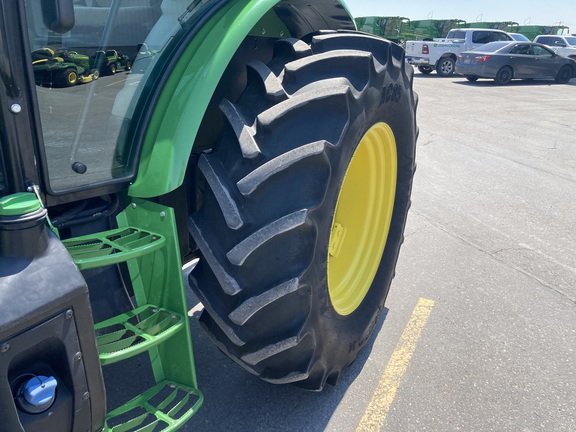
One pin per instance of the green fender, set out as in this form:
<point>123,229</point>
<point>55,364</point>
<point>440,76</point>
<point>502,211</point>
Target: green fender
<point>183,101</point>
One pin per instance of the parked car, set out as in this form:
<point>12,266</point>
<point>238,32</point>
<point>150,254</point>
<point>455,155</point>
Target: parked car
<point>519,37</point>
<point>564,45</point>
<point>504,61</point>
<point>440,54</point>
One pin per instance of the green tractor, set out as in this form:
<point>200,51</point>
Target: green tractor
<point>266,141</point>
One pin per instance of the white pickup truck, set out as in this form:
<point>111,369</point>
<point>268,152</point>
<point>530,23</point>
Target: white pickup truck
<point>563,45</point>
<point>441,54</point>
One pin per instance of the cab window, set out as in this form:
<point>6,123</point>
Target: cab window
<point>90,79</point>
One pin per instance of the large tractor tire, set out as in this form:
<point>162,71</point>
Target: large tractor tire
<point>304,206</point>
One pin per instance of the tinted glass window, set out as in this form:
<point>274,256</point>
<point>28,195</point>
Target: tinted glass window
<point>456,34</point>
<point>544,40</point>
<point>481,37</point>
<point>89,80</point>
<point>497,36</point>
<point>571,40</point>
<point>553,41</point>
<point>523,49</point>
<point>541,51</point>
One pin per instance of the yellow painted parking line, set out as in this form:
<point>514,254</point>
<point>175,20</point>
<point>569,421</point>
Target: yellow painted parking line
<point>379,405</point>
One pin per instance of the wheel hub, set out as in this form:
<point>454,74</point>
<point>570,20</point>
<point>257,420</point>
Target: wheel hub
<point>362,219</point>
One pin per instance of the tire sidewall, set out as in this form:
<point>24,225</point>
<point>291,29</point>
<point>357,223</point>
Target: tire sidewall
<point>354,330</point>
<point>441,63</point>
<point>66,78</point>
<point>298,336</point>
<point>504,75</point>
<point>426,70</point>
<point>564,75</point>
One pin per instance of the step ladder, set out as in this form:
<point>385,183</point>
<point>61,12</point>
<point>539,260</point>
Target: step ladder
<point>147,242</point>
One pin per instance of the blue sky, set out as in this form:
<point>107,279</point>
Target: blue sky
<point>536,12</point>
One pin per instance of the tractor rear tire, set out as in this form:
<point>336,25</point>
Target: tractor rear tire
<point>303,206</point>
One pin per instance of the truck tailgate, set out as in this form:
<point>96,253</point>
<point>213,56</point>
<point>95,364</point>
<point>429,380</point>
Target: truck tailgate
<point>414,48</point>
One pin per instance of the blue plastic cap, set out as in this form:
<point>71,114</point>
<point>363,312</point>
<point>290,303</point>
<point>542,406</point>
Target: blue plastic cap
<point>40,390</point>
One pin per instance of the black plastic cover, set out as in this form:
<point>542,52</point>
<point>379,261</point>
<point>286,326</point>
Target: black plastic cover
<point>46,328</point>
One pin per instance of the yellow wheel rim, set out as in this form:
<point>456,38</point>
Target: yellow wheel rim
<point>362,219</point>
<point>72,77</point>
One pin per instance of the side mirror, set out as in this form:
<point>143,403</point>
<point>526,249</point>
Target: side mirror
<point>560,43</point>
<point>58,15</point>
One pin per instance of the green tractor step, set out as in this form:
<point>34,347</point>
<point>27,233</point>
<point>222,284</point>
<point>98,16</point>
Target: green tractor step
<point>158,324</point>
<point>112,247</point>
<point>134,332</point>
<point>165,407</point>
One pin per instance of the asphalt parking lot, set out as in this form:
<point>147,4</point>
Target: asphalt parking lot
<point>490,251</point>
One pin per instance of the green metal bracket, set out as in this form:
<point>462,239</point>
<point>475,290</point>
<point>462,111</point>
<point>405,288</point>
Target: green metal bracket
<point>157,279</point>
<point>147,240</point>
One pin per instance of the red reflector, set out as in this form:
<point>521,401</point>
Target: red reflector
<point>482,59</point>
<point>425,49</point>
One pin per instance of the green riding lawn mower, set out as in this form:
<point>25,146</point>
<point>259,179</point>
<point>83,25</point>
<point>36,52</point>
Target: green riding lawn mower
<point>267,140</point>
<point>62,68</point>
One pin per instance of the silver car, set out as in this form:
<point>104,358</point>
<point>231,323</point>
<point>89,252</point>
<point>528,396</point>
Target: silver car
<point>504,61</point>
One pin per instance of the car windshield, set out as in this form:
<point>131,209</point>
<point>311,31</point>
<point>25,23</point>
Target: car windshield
<point>491,47</point>
<point>519,37</point>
